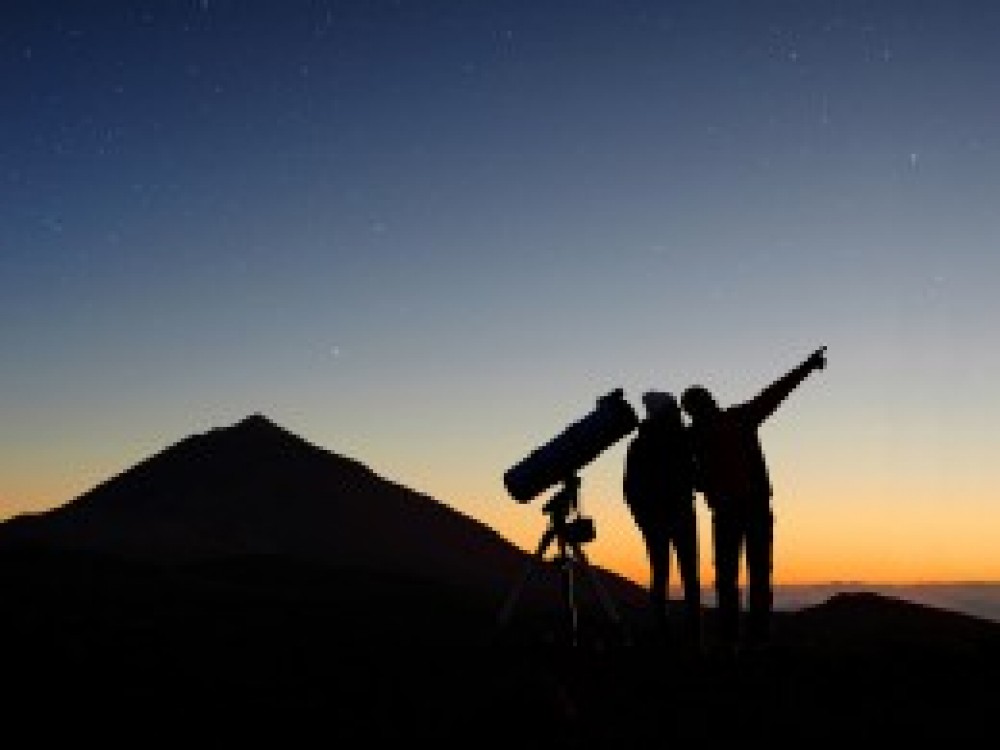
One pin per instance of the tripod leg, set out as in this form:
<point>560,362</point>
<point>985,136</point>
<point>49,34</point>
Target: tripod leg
<point>568,562</point>
<point>606,601</point>
<point>508,607</point>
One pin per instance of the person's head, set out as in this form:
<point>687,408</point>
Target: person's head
<point>697,401</point>
<point>660,404</point>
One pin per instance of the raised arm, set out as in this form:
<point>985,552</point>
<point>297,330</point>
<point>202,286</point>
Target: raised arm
<point>769,399</point>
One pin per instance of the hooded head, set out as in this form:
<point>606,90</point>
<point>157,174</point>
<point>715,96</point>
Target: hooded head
<point>697,401</point>
<point>660,403</point>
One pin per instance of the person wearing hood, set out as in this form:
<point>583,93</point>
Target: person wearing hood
<point>659,490</point>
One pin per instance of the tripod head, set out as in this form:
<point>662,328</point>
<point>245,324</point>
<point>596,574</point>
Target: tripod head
<point>563,509</point>
<point>565,501</point>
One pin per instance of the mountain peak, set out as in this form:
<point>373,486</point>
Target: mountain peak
<point>255,431</point>
<point>257,421</point>
<point>256,424</point>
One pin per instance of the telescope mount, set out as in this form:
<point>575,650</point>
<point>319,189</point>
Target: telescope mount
<point>568,531</point>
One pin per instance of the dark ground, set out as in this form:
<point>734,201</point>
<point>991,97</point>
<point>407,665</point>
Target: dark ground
<point>254,650</point>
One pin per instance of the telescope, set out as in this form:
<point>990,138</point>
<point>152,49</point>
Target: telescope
<point>557,462</point>
<point>580,443</point>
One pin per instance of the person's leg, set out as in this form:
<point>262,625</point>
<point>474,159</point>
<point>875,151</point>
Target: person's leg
<point>760,542</point>
<point>686,548</point>
<point>658,552</point>
<point>654,536</point>
<point>727,539</point>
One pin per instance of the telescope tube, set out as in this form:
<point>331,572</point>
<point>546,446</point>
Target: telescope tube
<point>573,448</point>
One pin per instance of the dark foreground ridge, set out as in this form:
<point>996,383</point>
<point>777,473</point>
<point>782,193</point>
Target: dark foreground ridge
<point>248,649</point>
<point>248,586</point>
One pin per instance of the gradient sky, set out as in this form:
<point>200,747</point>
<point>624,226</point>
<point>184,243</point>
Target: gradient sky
<point>429,235</point>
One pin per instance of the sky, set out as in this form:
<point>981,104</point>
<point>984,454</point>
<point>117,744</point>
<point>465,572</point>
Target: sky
<point>430,235</point>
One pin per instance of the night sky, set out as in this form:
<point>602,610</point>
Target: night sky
<point>429,235</point>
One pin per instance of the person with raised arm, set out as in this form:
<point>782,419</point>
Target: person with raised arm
<point>735,484</point>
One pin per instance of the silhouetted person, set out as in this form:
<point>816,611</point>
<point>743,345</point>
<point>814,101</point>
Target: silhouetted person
<point>734,481</point>
<point>659,490</point>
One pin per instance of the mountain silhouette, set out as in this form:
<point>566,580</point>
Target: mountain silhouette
<point>254,490</point>
<point>244,584</point>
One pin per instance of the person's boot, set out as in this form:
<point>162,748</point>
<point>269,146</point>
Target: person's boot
<point>728,632</point>
<point>757,637</point>
<point>692,633</point>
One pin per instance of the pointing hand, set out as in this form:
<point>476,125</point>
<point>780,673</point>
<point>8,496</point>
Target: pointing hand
<point>818,358</point>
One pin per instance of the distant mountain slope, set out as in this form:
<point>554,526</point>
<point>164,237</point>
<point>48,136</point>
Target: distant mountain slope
<point>255,489</point>
<point>865,622</point>
<point>977,598</point>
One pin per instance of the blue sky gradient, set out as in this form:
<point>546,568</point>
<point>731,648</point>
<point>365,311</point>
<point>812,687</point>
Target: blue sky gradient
<point>428,235</point>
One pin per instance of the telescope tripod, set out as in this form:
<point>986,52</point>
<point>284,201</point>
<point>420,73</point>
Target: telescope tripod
<point>569,535</point>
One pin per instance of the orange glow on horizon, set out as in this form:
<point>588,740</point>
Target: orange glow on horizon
<point>856,530</point>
